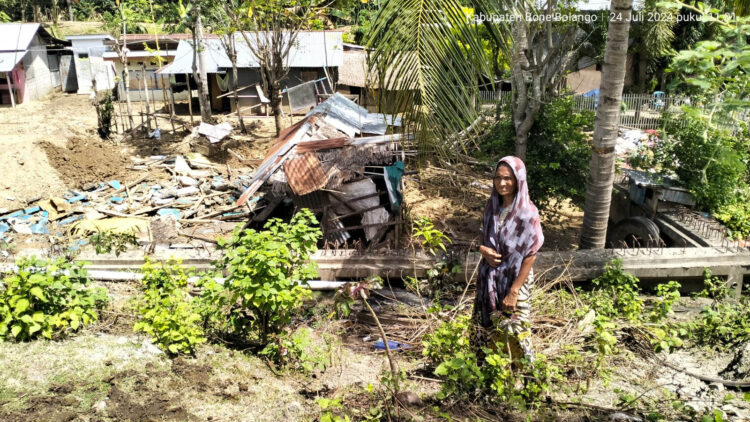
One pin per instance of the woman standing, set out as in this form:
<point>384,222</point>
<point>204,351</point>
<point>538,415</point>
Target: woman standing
<point>512,235</point>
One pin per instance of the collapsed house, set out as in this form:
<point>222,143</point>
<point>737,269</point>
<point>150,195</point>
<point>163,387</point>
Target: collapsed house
<point>344,164</point>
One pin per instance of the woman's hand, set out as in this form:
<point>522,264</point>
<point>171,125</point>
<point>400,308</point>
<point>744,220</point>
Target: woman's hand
<point>490,255</point>
<point>509,303</point>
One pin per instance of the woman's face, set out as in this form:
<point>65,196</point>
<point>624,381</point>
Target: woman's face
<point>505,181</point>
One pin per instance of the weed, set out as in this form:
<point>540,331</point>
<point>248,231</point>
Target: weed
<point>166,310</point>
<point>297,351</point>
<point>713,287</point>
<point>47,299</point>
<point>721,326</point>
<point>108,241</point>
<point>668,293</point>
<point>621,288</point>
<point>433,239</point>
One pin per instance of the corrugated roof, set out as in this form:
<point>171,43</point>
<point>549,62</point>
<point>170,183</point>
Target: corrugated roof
<point>8,60</point>
<point>15,39</point>
<point>17,36</point>
<point>305,174</point>
<point>310,49</point>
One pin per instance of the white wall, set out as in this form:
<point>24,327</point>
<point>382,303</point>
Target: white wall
<point>94,65</point>
<point>38,77</point>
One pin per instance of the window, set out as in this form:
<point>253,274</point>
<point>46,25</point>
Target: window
<point>83,56</point>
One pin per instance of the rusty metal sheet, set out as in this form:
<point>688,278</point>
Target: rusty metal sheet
<point>305,174</point>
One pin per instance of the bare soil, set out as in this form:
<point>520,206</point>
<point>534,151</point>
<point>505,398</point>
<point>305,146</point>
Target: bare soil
<point>83,161</point>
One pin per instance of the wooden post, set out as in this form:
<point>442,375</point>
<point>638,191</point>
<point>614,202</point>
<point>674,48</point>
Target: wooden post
<point>190,98</point>
<point>171,101</point>
<point>10,89</point>
<point>145,95</point>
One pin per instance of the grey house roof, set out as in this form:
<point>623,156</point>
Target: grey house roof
<point>312,49</point>
<point>15,39</point>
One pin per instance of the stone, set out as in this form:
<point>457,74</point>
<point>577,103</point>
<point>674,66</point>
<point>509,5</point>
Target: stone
<point>294,407</point>
<point>739,368</point>
<point>100,406</point>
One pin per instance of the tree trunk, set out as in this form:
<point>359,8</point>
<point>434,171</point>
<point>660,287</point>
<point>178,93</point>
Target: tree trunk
<point>203,77</point>
<point>601,178</point>
<point>235,82</point>
<point>642,72</point>
<point>520,90</point>
<point>126,71</point>
<point>70,11</point>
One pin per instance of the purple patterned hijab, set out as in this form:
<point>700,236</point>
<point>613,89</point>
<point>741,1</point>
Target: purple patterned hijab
<point>520,236</point>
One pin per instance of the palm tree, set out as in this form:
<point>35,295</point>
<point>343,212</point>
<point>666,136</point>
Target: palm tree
<point>426,57</point>
<point>602,174</point>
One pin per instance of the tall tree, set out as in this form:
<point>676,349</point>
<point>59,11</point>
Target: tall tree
<point>426,57</point>
<point>275,25</point>
<point>540,57</point>
<point>199,63</point>
<point>228,20</point>
<point>602,167</point>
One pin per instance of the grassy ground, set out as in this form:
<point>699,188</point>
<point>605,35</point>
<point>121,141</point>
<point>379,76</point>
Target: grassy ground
<point>108,373</point>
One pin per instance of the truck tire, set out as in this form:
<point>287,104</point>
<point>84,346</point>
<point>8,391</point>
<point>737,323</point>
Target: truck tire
<point>633,232</point>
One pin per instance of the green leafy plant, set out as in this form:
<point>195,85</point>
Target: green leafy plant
<point>432,238</point>
<point>297,351</point>
<point>723,325</point>
<point>332,410</point>
<point>267,275</point>
<point>166,311</point>
<point>48,299</point>
<point>496,374</point>
<point>621,289</point>
<point>713,286</point>
<point>669,294</point>
<point>107,241</point>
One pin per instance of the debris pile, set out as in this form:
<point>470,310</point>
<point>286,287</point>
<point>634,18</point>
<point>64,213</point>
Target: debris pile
<point>343,163</point>
<point>195,193</point>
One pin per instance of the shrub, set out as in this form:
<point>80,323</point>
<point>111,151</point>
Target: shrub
<point>267,275</point>
<point>722,325</point>
<point>465,374</point>
<point>710,162</point>
<point>668,293</point>
<point>557,158</point>
<point>620,291</point>
<point>47,299</point>
<point>166,311</point>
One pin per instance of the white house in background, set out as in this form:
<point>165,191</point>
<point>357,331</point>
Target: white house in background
<point>88,51</point>
<point>29,62</point>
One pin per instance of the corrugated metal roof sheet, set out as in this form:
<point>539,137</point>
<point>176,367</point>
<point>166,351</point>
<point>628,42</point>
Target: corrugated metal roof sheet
<point>305,174</point>
<point>310,49</point>
<point>8,60</point>
<point>348,117</point>
<point>17,36</point>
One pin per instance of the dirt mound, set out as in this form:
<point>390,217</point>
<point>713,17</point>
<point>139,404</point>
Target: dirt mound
<point>86,161</point>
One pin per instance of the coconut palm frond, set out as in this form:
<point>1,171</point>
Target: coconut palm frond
<point>426,58</point>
